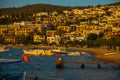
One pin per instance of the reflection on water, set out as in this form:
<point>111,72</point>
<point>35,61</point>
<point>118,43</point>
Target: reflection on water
<point>44,68</point>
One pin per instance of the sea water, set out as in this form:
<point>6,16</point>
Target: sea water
<point>43,67</point>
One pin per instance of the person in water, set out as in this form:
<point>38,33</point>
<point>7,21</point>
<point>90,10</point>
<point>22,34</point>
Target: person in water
<point>59,63</point>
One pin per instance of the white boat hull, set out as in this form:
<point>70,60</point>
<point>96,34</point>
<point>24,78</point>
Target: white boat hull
<point>38,52</point>
<point>4,50</point>
<point>59,50</point>
<point>74,54</point>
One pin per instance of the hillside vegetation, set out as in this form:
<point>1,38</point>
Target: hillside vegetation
<point>30,9</point>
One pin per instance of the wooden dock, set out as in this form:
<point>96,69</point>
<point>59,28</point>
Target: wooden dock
<point>83,63</point>
<point>60,62</point>
<point>73,62</point>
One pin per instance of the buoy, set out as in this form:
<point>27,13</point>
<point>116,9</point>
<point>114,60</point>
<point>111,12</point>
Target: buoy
<point>82,66</point>
<point>99,66</point>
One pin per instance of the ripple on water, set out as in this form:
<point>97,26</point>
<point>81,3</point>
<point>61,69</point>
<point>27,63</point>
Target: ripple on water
<point>44,68</point>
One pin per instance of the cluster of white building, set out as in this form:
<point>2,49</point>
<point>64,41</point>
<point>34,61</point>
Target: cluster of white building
<point>69,25</point>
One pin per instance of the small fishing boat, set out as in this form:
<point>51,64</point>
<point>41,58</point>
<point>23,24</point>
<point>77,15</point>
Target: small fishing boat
<point>38,52</point>
<point>3,49</point>
<point>74,54</point>
<point>10,61</point>
<point>59,50</point>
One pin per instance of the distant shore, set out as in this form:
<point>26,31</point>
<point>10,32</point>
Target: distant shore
<point>104,54</point>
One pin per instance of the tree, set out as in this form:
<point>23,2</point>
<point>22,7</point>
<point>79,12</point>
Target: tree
<point>1,39</point>
<point>62,43</point>
<point>20,39</point>
<point>30,38</point>
<point>68,23</point>
<point>91,38</point>
<point>98,6</point>
<point>108,13</point>
<point>83,43</point>
<point>76,42</point>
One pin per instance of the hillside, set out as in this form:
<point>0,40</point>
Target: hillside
<point>117,3</point>
<point>30,9</point>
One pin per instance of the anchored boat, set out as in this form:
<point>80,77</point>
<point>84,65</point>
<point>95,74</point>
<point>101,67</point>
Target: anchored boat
<point>2,49</point>
<point>37,52</point>
<point>59,50</point>
<point>74,54</point>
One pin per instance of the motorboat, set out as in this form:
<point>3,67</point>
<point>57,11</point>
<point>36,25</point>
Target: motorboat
<point>9,61</point>
<point>38,52</point>
<point>59,50</point>
<point>3,49</point>
<point>74,54</point>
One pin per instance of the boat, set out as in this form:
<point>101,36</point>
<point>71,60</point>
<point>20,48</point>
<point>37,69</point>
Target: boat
<point>3,49</point>
<point>59,50</point>
<point>4,61</point>
<point>38,52</point>
<point>9,61</point>
<point>110,53</point>
<point>83,52</point>
<point>74,54</point>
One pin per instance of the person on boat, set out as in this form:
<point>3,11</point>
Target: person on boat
<point>59,63</point>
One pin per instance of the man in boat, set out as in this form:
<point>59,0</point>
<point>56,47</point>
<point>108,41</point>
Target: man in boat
<point>59,63</point>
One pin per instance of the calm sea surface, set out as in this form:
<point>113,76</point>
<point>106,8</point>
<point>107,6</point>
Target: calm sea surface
<point>44,68</point>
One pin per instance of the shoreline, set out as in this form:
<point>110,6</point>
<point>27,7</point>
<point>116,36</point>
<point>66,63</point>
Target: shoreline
<point>110,56</point>
<point>99,53</point>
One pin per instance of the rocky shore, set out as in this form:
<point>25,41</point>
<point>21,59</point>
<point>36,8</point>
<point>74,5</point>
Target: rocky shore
<point>104,54</point>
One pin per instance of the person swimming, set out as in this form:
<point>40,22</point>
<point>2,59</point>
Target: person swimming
<point>59,63</point>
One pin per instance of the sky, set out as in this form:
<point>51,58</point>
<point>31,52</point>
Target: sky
<point>20,3</point>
